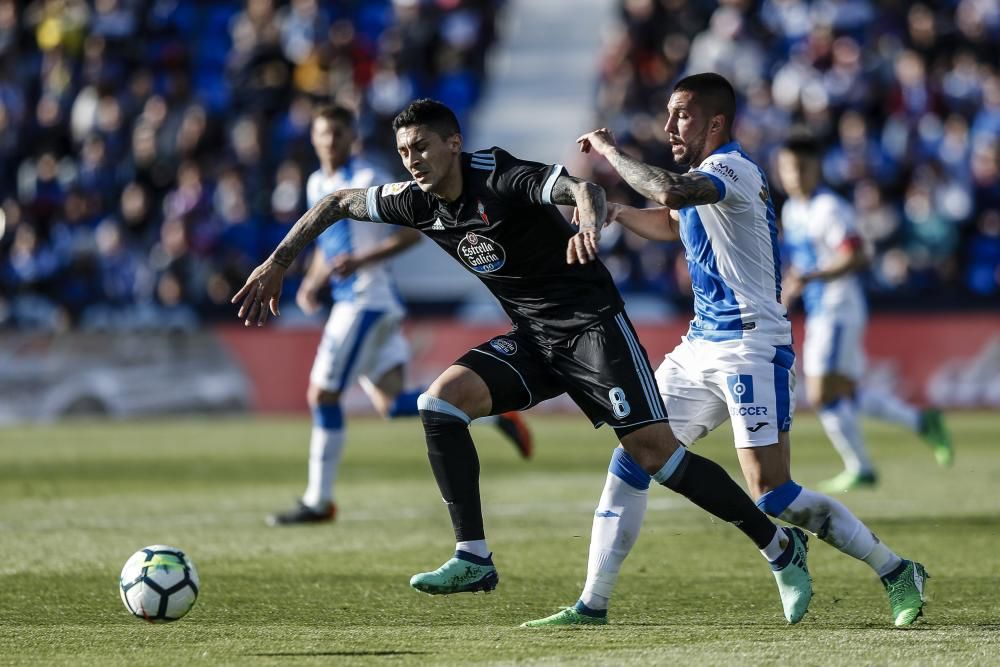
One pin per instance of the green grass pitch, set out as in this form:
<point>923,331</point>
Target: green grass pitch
<point>77,499</point>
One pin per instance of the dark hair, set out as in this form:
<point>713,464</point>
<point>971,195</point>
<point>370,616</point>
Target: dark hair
<point>714,93</point>
<point>802,144</point>
<point>431,113</point>
<point>335,112</point>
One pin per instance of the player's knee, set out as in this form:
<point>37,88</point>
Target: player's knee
<point>435,410</point>
<point>317,396</point>
<point>649,446</point>
<point>463,390</point>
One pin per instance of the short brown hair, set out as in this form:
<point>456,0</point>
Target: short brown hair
<point>714,93</point>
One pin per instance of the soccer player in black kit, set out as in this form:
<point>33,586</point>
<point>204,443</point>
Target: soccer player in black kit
<point>496,215</point>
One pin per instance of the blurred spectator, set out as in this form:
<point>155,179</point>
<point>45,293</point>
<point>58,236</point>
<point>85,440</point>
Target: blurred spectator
<point>151,151</point>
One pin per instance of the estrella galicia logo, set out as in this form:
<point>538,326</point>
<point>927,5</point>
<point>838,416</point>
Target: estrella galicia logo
<point>481,254</point>
<point>740,388</point>
<point>504,345</point>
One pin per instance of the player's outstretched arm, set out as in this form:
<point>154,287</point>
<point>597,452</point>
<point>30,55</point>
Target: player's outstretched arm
<point>262,289</point>
<point>347,264</point>
<point>591,207</point>
<point>655,224</point>
<point>660,185</point>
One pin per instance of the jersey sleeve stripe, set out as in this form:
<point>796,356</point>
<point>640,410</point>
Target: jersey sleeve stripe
<point>557,171</point>
<point>720,186</point>
<point>371,201</point>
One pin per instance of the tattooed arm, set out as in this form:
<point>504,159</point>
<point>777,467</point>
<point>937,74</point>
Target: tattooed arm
<point>328,210</point>
<point>660,185</point>
<point>262,289</point>
<point>591,209</point>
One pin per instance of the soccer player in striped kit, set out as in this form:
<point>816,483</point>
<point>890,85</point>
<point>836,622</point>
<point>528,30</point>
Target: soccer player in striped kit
<point>826,254</point>
<point>736,362</point>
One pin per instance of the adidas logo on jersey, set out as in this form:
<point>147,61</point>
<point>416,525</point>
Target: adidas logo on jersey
<point>438,226</point>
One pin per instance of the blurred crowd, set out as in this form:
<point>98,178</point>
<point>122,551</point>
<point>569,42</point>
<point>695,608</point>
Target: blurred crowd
<point>153,151</point>
<point>904,95</point>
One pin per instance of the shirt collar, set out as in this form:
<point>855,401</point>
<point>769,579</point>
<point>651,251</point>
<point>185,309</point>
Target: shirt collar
<point>727,148</point>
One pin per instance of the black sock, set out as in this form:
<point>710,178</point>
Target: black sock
<point>708,486</point>
<point>456,468</point>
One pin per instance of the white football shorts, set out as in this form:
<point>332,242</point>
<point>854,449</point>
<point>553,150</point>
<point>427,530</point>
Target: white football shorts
<point>358,342</point>
<point>750,382</point>
<point>833,345</point>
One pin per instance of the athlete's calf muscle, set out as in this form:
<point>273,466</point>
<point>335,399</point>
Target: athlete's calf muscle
<point>651,445</point>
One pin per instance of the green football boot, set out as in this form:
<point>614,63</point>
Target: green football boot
<point>463,573</point>
<point>848,481</point>
<point>792,574</point>
<point>566,617</point>
<point>905,587</point>
<point>935,433</point>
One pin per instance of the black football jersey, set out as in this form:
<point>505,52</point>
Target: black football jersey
<point>505,229</point>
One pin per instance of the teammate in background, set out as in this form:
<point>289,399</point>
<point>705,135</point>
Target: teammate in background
<point>736,362</point>
<point>495,214</point>
<point>826,256</point>
<point>362,339</point>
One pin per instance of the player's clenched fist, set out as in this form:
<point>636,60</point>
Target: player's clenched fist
<point>599,141</point>
<point>261,292</point>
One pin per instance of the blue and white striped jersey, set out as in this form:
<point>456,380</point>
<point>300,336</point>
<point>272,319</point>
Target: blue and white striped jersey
<point>733,256</point>
<point>370,286</point>
<point>814,231</point>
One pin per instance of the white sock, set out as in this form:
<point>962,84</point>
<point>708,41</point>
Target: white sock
<point>775,548</point>
<point>616,528</point>
<point>843,427</point>
<point>325,449</point>
<point>488,420</point>
<point>889,407</point>
<point>475,547</point>
<point>833,523</point>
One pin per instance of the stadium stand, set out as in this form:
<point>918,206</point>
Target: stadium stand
<point>906,97</point>
<point>152,150</point>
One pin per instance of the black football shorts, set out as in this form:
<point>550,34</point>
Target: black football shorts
<point>603,368</point>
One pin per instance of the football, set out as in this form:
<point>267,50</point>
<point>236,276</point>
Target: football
<point>159,584</point>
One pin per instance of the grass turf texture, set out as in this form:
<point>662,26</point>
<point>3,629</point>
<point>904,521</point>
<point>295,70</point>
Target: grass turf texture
<point>77,499</point>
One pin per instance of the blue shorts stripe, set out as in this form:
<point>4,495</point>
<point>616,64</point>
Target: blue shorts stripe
<point>642,369</point>
<point>782,398</point>
<point>645,372</point>
<point>365,324</point>
<point>834,356</point>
